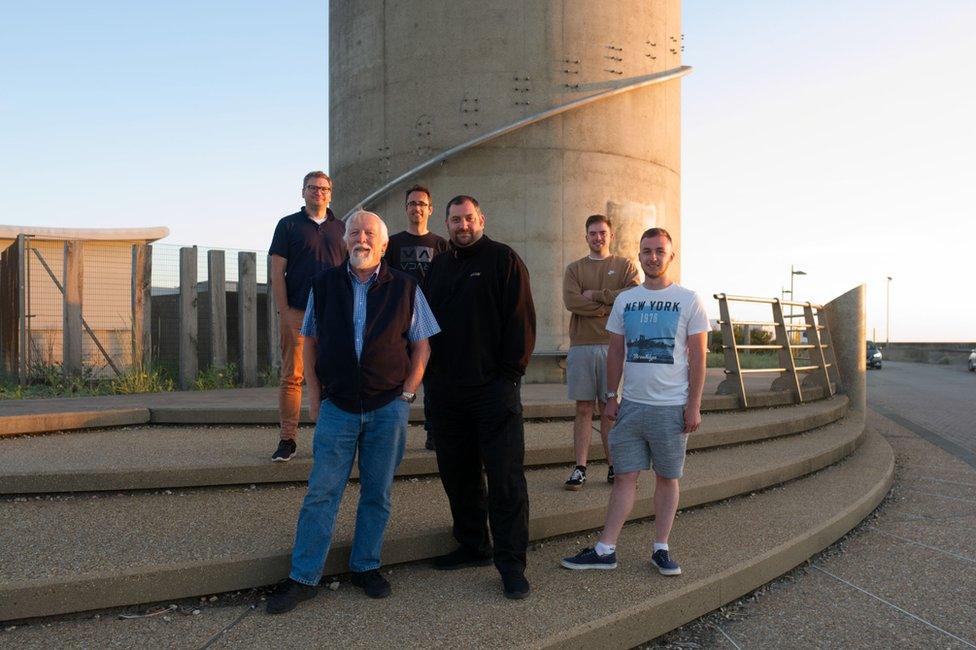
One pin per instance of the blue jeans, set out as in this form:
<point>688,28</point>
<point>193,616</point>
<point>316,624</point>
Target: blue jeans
<point>380,436</point>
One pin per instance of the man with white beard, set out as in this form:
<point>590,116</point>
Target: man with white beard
<point>366,376</point>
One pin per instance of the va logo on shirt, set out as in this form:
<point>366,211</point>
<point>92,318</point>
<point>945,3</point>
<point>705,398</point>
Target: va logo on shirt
<point>649,331</point>
<point>416,257</point>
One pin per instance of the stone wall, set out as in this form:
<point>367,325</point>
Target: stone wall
<point>921,352</point>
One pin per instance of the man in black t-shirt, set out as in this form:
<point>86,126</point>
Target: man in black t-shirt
<point>412,250</point>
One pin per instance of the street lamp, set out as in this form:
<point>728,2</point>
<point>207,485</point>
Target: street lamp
<point>793,273</point>
<point>888,312</point>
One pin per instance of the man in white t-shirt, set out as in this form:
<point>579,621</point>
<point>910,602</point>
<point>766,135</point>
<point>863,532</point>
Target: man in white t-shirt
<point>658,333</point>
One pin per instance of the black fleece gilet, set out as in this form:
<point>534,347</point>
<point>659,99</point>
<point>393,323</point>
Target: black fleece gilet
<point>376,378</point>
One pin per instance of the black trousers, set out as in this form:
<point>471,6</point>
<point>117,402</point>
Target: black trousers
<point>481,427</point>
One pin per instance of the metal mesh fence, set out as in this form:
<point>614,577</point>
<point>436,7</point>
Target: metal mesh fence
<point>103,271</point>
<point>105,277</point>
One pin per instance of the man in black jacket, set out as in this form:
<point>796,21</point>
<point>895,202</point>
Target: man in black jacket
<point>479,293</point>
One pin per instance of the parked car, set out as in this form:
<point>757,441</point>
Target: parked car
<point>874,356</point>
<point>972,361</point>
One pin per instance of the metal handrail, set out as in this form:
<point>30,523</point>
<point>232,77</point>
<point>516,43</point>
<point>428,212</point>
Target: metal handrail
<point>624,86</point>
<point>765,301</point>
<point>748,322</point>
<point>789,369</point>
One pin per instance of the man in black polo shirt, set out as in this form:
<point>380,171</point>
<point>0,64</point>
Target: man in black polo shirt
<point>412,250</point>
<point>479,293</point>
<point>304,244</point>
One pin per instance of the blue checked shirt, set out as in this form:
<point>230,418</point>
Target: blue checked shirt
<point>423,325</point>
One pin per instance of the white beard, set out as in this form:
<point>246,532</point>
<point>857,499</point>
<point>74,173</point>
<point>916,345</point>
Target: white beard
<point>360,259</point>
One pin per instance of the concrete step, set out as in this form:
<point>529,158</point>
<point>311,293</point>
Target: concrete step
<point>150,457</point>
<point>260,406</point>
<point>532,409</point>
<point>726,550</point>
<point>86,551</point>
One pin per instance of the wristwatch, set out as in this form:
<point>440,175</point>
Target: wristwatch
<point>611,394</point>
<point>408,397</point>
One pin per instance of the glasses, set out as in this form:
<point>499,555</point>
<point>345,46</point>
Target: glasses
<point>418,204</point>
<point>318,189</point>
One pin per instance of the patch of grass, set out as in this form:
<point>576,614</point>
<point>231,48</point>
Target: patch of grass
<point>214,378</point>
<point>49,381</point>
<point>142,381</point>
<point>269,377</point>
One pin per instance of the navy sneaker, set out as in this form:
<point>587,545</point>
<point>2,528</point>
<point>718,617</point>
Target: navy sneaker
<point>286,449</point>
<point>665,565</point>
<point>588,559</point>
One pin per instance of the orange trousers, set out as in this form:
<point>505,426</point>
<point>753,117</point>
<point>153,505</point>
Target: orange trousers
<point>292,372</point>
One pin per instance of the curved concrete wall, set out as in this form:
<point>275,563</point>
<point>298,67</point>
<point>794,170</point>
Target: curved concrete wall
<point>413,78</point>
<point>846,317</point>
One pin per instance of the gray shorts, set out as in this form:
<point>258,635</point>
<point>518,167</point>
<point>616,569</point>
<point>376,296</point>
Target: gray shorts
<point>586,372</point>
<point>645,434</point>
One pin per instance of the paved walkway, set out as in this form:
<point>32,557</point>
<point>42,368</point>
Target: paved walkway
<point>907,576</point>
<point>936,402</point>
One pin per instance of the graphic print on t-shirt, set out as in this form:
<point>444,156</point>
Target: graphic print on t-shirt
<point>416,257</point>
<point>650,327</point>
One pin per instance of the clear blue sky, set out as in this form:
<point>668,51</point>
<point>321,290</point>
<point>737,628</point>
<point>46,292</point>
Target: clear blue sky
<point>834,136</point>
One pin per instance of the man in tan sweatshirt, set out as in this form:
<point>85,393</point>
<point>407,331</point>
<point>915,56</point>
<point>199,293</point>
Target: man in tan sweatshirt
<point>589,288</point>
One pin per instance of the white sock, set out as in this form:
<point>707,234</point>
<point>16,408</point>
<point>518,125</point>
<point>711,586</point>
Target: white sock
<point>605,549</point>
<point>658,546</point>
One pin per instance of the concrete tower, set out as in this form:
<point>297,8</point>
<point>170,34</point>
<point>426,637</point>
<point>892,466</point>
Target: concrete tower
<point>412,79</point>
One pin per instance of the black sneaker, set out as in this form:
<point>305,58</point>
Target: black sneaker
<point>286,449</point>
<point>374,584</point>
<point>460,558</point>
<point>588,558</point>
<point>287,595</point>
<point>515,586</point>
<point>429,445</point>
<point>665,565</point>
<point>577,478</point>
<point>610,475</point>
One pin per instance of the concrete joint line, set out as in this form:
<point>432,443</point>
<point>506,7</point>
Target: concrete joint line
<point>227,628</point>
<point>931,548</point>
<point>895,607</point>
<point>728,638</point>
<point>939,480</point>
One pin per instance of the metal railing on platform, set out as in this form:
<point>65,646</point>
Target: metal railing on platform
<point>815,366</point>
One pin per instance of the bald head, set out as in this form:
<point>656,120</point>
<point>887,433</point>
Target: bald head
<point>366,240</point>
